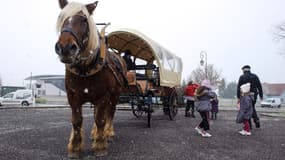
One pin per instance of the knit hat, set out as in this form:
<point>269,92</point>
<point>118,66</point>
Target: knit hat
<point>206,83</point>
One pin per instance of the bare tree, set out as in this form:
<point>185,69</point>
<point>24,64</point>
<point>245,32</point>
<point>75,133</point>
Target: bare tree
<point>199,74</point>
<point>222,87</point>
<point>279,35</point>
<point>230,91</point>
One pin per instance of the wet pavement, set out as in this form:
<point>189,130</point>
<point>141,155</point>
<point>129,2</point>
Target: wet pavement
<point>42,134</point>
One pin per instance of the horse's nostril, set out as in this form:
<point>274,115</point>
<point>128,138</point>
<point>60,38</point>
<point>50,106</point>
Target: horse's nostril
<point>73,47</point>
<point>58,49</point>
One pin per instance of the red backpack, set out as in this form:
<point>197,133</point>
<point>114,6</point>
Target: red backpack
<point>190,90</point>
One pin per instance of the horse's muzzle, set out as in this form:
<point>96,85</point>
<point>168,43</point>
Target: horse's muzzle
<point>68,53</point>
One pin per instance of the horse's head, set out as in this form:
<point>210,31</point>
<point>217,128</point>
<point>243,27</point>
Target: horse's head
<point>78,33</point>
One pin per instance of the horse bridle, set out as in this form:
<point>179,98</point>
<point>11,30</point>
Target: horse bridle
<point>82,46</point>
<point>96,58</point>
<point>81,43</point>
<point>70,31</point>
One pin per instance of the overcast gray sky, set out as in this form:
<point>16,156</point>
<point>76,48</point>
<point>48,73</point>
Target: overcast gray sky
<point>232,32</point>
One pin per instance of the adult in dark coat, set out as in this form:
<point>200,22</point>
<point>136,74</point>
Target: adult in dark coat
<point>255,87</point>
<point>129,62</point>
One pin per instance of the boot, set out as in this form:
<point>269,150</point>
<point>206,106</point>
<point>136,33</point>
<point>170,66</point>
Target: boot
<point>257,124</point>
<point>215,116</point>
<point>192,112</point>
<point>187,114</point>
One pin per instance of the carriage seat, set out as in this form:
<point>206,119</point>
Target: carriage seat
<point>131,77</point>
<point>149,69</point>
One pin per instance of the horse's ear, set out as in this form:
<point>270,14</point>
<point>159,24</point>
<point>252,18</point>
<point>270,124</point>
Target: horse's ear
<point>62,3</point>
<point>91,7</point>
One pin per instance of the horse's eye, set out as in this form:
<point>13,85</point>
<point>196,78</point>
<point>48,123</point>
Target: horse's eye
<point>85,21</point>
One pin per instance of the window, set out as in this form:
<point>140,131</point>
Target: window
<point>26,95</point>
<point>10,95</point>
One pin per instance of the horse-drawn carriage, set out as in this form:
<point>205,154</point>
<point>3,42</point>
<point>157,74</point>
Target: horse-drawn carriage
<point>154,75</point>
<point>97,75</point>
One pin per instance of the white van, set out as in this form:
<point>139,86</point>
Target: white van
<point>22,97</point>
<point>271,102</point>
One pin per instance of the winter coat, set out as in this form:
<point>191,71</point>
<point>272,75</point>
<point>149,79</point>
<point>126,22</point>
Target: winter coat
<point>255,85</point>
<point>246,108</point>
<point>189,91</point>
<point>203,96</point>
<point>215,105</point>
<point>129,62</point>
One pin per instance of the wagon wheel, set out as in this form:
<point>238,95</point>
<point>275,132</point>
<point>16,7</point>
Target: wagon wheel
<point>149,109</point>
<point>173,105</point>
<point>136,106</point>
<point>136,103</point>
<point>165,106</point>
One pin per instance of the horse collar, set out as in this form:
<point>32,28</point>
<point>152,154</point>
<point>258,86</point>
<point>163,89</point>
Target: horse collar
<point>88,66</point>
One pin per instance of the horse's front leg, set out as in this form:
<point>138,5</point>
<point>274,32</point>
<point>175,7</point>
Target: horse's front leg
<point>103,127</point>
<point>109,129</point>
<point>75,144</point>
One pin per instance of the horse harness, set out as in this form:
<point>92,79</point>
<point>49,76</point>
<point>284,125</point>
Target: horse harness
<point>97,60</point>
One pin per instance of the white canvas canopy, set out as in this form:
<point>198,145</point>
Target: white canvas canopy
<point>170,66</point>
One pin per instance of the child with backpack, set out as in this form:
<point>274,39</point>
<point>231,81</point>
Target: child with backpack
<point>203,105</point>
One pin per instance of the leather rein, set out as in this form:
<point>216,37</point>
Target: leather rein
<point>95,60</point>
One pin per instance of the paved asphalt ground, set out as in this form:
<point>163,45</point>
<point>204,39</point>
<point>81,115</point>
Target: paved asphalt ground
<point>42,134</point>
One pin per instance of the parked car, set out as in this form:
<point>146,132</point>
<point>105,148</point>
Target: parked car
<point>271,102</point>
<point>22,97</point>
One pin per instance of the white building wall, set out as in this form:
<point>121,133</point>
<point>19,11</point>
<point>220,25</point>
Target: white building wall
<point>282,97</point>
<point>52,90</point>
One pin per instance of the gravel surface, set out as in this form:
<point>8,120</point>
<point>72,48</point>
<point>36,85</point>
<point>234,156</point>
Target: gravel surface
<point>42,134</point>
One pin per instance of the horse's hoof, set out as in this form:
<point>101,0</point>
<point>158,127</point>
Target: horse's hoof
<point>73,155</point>
<point>101,153</point>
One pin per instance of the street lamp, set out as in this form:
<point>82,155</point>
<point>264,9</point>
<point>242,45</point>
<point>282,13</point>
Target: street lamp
<point>202,55</point>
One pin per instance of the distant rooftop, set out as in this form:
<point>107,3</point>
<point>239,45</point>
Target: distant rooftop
<point>273,89</point>
<point>45,77</point>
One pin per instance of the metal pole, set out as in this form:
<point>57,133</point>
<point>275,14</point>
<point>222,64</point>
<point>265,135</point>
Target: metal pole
<point>206,67</point>
<point>31,80</point>
<point>202,55</point>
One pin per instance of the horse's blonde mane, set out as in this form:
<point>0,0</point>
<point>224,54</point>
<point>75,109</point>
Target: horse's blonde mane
<point>72,9</point>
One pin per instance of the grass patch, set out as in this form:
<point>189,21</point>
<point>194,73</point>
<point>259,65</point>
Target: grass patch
<point>41,100</point>
<point>281,114</point>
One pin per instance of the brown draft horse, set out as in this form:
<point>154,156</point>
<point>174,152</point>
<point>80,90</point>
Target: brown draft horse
<point>93,74</point>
